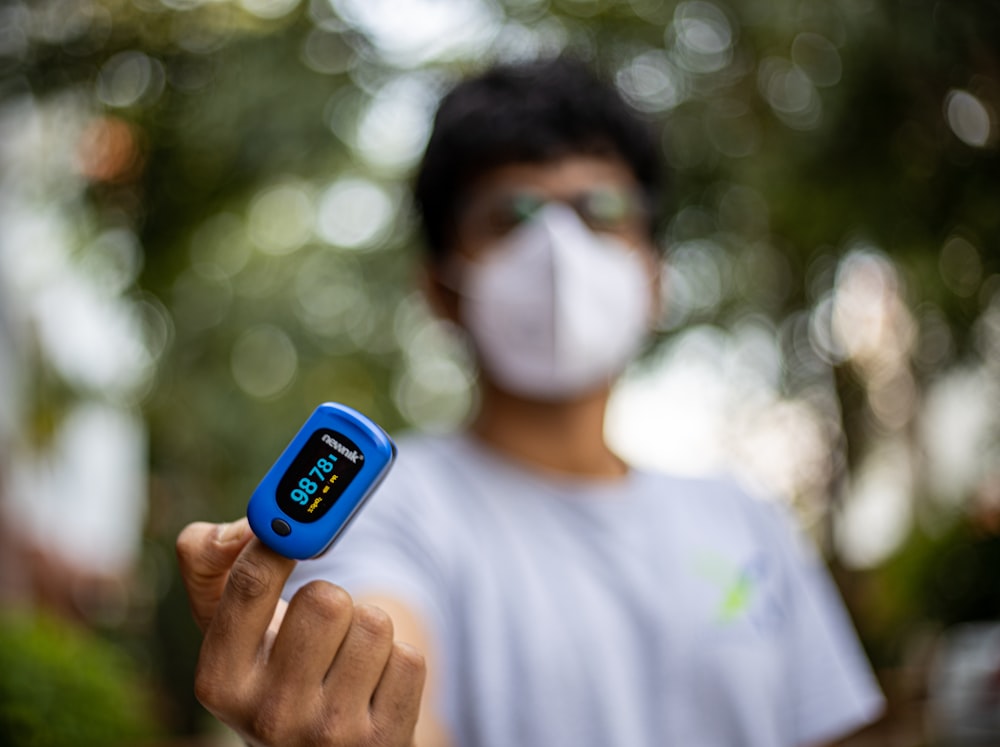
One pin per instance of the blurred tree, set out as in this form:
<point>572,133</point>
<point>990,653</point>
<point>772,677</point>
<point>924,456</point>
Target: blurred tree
<point>61,685</point>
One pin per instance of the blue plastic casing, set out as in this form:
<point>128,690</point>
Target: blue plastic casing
<point>320,481</point>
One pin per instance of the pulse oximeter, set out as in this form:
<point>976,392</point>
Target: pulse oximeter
<point>320,481</point>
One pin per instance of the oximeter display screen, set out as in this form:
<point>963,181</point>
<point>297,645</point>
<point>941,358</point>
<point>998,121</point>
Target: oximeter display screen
<point>318,476</point>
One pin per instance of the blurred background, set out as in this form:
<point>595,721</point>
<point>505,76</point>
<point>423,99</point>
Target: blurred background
<point>205,231</point>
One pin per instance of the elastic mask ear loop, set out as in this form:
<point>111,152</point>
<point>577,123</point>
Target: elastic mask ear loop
<point>452,274</point>
<point>444,274</point>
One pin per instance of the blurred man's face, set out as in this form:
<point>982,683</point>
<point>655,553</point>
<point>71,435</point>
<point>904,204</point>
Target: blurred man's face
<point>553,274</point>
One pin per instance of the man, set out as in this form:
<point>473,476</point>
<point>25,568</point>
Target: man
<point>555,595</point>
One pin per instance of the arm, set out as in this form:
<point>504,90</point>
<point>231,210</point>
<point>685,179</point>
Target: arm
<point>411,629</point>
<point>320,670</point>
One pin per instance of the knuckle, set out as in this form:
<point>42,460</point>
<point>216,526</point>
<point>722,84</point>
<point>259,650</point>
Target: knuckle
<point>212,687</point>
<point>249,579</point>
<point>267,722</point>
<point>277,715</point>
<point>328,600</point>
<point>205,690</point>
<point>410,662</point>
<point>373,621</point>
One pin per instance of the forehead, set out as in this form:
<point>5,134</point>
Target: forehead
<point>561,176</point>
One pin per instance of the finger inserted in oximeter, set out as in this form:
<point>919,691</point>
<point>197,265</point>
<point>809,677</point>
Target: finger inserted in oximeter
<point>320,481</point>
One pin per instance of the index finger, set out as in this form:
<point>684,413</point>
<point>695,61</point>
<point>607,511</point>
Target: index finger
<point>241,620</point>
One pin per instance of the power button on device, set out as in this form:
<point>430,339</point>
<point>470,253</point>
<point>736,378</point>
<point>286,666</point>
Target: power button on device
<point>280,527</point>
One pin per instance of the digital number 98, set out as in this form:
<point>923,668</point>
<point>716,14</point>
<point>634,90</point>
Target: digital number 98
<point>306,486</point>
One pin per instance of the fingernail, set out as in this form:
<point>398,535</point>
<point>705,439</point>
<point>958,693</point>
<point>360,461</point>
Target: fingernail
<point>231,532</point>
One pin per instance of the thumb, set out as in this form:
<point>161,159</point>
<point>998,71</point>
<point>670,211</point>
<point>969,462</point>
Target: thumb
<point>205,553</point>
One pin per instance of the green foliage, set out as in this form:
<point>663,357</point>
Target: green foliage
<point>62,686</point>
<point>934,581</point>
<point>950,579</point>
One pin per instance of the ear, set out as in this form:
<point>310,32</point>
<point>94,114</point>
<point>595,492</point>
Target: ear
<point>439,292</point>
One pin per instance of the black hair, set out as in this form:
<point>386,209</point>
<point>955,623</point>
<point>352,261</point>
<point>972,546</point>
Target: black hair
<point>526,112</point>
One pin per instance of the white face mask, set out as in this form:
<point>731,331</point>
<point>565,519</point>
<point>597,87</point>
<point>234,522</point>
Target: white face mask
<point>555,310</point>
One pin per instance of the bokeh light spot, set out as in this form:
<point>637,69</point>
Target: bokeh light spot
<point>892,396</point>
<point>935,343</point>
<point>108,151</point>
<point>877,512</point>
<point>327,52</point>
<point>865,320</point>
<point>130,78</point>
<point>411,32</point>
<point>704,37</point>
<point>329,293</point>
<point>960,265</point>
<point>394,127</point>
<point>92,339</point>
<point>956,432</point>
<point>733,130</point>
<point>818,58</point>
<point>354,213</point>
<point>968,118</point>
<point>269,9</point>
<point>221,242</point>
<point>790,93</point>
<point>281,219</point>
<point>113,260</point>
<point>650,82</point>
<point>698,279</point>
<point>199,299</point>
<point>264,361</point>
<point>78,27</point>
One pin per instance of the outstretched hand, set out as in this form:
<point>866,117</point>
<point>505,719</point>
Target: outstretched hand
<point>319,671</point>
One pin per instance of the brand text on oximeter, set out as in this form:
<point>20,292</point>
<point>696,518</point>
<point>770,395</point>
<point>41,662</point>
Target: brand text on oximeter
<point>334,444</point>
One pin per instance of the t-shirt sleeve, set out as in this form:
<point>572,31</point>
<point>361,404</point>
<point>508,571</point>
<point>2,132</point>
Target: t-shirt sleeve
<point>834,691</point>
<point>390,549</point>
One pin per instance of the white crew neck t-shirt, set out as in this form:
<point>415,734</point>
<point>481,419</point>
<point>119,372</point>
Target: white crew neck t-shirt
<point>650,610</point>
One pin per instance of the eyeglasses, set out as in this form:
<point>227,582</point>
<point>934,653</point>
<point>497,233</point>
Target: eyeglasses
<point>605,208</point>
